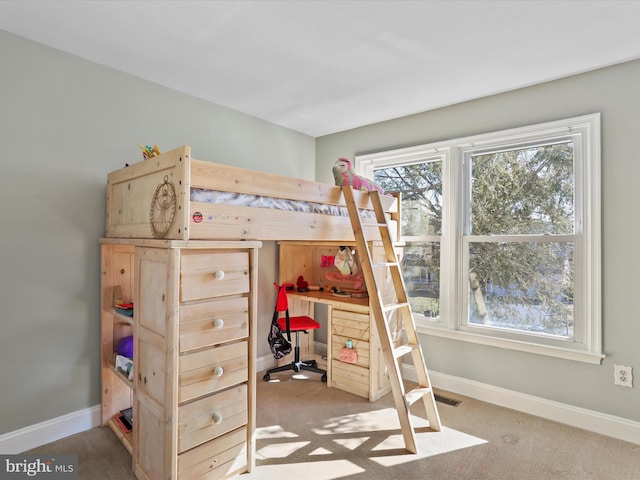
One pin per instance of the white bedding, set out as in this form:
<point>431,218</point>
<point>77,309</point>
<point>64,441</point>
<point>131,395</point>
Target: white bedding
<point>246,200</point>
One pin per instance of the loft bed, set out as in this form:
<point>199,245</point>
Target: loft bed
<point>174,196</point>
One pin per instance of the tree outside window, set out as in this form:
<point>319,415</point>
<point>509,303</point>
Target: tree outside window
<point>500,235</point>
<point>518,280</point>
<point>420,186</point>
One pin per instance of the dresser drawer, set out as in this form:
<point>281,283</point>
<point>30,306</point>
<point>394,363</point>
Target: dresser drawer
<point>214,322</point>
<point>216,459</point>
<point>207,371</point>
<point>212,416</point>
<point>206,274</point>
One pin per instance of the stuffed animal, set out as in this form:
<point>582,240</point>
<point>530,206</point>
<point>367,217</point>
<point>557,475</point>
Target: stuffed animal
<point>345,175</point>
<point>303,285</point>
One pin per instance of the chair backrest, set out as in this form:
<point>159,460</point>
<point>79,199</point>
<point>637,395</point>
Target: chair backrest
<point>282,303</point>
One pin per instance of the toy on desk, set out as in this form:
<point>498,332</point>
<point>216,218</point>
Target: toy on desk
<point>303,285</point>
<point>344,174</point>
<point>148,152</point>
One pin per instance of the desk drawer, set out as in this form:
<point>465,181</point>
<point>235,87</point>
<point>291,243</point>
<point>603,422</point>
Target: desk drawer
<point>218,458</point>
<point>210,417</point>
<point>361,347</point>
<point>212,323</point>
<point>213,369</point>
<point>350,378</point>
<point>350,325</point>
<point>206,274</point>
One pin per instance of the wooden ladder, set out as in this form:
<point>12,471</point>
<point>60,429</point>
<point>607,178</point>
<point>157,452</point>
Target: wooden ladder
<point>383,313</point>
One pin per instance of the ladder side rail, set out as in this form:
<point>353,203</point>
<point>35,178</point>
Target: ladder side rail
<point>408,320</point>
<point>417,354</point>
<point>375,303</point>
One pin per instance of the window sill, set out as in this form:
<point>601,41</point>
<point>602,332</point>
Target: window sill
<point>564,353</point>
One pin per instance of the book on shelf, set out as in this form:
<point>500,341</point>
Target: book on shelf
<point>125,425</point>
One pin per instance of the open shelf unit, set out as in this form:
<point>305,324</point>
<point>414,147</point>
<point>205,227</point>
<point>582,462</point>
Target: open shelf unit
<point>117,263</point>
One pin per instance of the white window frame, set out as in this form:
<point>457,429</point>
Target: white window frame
<point>452,323</point>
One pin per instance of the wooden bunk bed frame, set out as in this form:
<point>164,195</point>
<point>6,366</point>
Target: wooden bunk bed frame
<point>152,199</point>
<point>202,269</point>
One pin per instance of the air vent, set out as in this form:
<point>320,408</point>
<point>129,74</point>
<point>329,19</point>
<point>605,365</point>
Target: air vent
<point>447,401</point>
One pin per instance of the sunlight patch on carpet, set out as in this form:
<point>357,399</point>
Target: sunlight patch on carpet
<point>321,451</point>
<point>351,440</point>
<point>308,471</point>
<point>280,450</point>
<point>273,431</point>
<point>374,421</point>
<point>428,443</point>
<point>351,443</point>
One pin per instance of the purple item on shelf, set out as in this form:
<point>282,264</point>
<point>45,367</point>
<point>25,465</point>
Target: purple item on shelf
<point>125,347</point>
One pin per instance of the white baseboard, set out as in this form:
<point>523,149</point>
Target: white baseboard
<point>604,424</point>
<point>49,431</point>
<point>265,363</point>
<point>628,430</point>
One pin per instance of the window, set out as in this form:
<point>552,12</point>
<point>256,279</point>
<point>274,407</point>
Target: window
<point>501,236</point>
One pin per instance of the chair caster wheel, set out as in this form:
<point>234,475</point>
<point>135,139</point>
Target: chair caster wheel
<point>324,378</point>
<point>266,378</point>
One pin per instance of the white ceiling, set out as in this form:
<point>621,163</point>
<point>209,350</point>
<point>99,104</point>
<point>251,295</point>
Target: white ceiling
<point>321,67</point>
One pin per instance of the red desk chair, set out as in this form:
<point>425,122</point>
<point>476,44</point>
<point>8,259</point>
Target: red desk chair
<point>295,324</point>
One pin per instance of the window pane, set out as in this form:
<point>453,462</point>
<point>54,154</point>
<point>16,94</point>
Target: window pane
<point>421,188</point>
<point>525,191</point>
<point>522,286</point>
<point>421,273</point>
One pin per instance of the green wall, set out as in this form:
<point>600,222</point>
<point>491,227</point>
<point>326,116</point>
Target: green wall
<point>613,92</point>
<point>64,124</point>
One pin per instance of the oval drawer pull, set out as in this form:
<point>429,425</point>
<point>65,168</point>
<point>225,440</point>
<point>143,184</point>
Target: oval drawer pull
<point>219,275</point>
<point>218,371</point>
<point>217,418</point>
<point>218,323</point>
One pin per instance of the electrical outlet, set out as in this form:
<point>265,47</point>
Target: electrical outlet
<point>623,376</point>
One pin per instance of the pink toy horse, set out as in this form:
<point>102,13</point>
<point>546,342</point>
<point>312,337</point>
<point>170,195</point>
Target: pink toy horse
<point>345,175</point>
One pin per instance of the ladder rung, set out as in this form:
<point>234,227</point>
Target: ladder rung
<point>404,349</point>
<point>385,264</point>
<point>394,306</point>
<point>374,224</point>
<point>416,394</point>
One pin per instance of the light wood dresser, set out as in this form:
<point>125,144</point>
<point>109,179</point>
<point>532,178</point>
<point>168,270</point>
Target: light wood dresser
<point>193,324</point>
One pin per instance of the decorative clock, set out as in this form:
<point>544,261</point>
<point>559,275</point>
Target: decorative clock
<point>163,209</point>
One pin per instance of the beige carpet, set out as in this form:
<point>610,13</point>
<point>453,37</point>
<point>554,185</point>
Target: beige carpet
<point>310,432</point>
